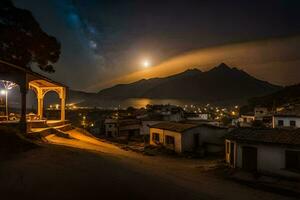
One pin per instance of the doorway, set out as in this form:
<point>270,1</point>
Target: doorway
<point>250,159</point>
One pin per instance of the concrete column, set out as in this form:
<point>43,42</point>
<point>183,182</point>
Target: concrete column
<point>63,105</point>
<point>40,107</point>
<point>23,123</point>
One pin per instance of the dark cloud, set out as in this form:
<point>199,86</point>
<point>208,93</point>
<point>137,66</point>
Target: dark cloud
<point>105,39</point>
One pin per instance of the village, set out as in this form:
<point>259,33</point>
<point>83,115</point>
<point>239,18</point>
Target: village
<point>258,148</point>
<point>253,145</point>
<point>143,100</point>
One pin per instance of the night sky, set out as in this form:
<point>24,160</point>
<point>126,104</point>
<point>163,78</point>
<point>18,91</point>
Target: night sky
<point>105,42</point>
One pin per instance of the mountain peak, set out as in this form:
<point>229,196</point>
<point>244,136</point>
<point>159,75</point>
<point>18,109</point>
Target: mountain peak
<point>192,71</point>
<point>223,66</point>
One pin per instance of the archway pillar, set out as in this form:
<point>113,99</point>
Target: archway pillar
<point>40,102</point>
<point>62,104</point>
<point>61,91</point>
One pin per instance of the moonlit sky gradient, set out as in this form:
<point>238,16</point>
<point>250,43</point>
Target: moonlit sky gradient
<point>106,42</point>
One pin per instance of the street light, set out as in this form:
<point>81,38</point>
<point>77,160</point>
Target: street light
<point>4,92</point>
<point>8,85</point>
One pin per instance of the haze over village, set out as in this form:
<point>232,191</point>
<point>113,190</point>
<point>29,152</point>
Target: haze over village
<point>149,99</point>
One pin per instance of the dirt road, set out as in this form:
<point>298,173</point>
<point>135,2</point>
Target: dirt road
<point>97,170</point>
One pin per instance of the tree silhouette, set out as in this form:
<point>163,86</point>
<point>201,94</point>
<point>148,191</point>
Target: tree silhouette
<point>23,42</point>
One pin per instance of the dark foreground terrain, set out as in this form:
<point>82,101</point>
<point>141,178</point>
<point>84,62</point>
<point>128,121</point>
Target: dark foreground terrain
<point>97,170</point>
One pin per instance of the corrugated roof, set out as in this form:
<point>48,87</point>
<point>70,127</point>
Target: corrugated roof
<point>174,126</point>
<point>271,136</point>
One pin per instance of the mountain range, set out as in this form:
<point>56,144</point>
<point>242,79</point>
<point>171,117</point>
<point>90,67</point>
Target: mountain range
<point>221,83</point>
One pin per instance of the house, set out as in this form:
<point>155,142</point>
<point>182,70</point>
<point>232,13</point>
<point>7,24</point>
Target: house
<point>246,120</point>
<point>267,151</point>
<point>287,117</point>
<point>122,127</point>
<point>168,112</point>
<point>286,121</point>
<point>129,127</point>
<point>263,115</point>
<point>149,121</point>
<point>111,127</point>
<point>183,137</point>
<point>197,116</point>
<point>260,113</point>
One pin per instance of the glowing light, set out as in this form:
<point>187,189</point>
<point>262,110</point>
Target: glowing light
<point>146,64</point>
<point>3,92</point>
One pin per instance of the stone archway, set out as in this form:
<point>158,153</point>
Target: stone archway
<point>41,88</point>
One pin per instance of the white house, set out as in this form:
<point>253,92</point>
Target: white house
<point>287,117</point>
<point>267,151</point>
<point>286,121</point>
<point>183,137</point>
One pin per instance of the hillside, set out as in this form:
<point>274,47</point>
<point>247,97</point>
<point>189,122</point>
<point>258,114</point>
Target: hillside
<point>221,83</point>
<point>289,94</point>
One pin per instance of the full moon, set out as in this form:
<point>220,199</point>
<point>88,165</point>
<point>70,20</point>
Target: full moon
<point>146,63</point>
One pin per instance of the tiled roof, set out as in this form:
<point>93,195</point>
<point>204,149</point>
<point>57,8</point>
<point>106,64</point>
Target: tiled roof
<point>174,126</point>
<point>271,136</point>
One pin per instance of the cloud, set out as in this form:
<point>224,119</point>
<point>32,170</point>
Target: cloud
<point>274,60</point>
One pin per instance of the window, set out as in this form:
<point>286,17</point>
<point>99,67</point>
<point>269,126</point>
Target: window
<point>280,122</point>
<point>155,137</point>
<point>293,123</point>
<point>170,140</point>
<point>292,160</point>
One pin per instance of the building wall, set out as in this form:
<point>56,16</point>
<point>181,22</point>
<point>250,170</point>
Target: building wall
<point>270,159</point>
<point>145,130</point>
<point>173,117</point>
<point>111,128</point>
<point>188,140</point>
<point>286,121</point>
<point>210,137</point>
<point>260,112</point>
<point>163,134</point>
